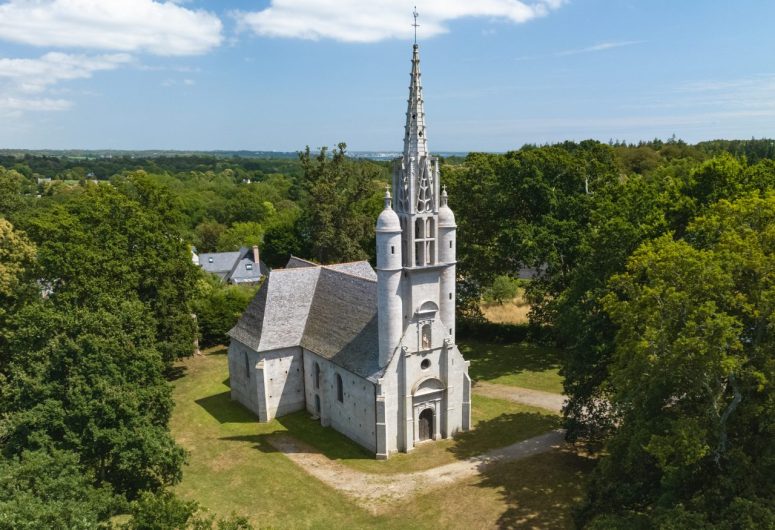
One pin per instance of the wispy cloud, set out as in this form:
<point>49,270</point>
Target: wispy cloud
<point>358,21</point>
<point>34,75</point>
<point>599,47</point>
<point>28,84</point>
<point>160,28</point>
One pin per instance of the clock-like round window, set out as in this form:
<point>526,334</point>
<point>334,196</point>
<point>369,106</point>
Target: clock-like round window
<point>425,364</point>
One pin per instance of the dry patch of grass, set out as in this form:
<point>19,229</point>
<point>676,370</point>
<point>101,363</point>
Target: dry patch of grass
<point>512,311</point>
<point>535,493</point>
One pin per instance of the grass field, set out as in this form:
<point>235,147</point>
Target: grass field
<point>524,365</point>
<point>513,311</point>
<point>232,467</point>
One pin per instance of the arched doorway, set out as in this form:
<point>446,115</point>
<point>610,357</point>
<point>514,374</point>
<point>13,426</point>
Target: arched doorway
<point>426,424</point>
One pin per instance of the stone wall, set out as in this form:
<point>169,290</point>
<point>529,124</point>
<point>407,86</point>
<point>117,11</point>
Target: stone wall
<point>354,416</point>
<point>270,384</point>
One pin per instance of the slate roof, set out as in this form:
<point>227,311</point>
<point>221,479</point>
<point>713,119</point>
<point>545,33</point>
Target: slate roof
<point>219,263</point>
<point>295,263</point>
<point>330,310</point>
<point>234,267</point>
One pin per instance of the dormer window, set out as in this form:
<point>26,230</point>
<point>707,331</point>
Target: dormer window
<point>249,266</point>
<point>209,260</point>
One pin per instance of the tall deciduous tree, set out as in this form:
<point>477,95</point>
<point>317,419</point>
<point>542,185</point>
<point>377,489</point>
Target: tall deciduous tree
<point>99,245</point>
<point>341,203</point>
<point>692,378</point>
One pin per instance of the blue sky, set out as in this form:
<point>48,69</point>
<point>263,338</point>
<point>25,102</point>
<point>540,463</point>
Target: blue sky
<point>282,74</point>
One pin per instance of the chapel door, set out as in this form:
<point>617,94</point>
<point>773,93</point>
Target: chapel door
<point>426,424</point>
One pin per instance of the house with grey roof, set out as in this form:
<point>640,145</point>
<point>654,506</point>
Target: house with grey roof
<point>368,352</point>
<point>241,267</point>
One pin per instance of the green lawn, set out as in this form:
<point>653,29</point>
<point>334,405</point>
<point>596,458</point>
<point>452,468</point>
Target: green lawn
<point>524,365</point>
<point>498,424</point>
<point>233,468</point>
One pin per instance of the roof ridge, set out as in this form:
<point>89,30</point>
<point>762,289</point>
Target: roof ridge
<point>304,260</point>
<point>347,263</point>
<point>372,280</point>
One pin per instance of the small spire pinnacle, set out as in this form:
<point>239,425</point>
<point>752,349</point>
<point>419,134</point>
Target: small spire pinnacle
<point>415,14</point>
<point>444,195</point>
<point>388,198</point>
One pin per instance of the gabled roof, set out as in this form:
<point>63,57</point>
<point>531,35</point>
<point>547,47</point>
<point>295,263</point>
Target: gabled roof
<point>342,322</point>
<point>329,310</point>
<point>218,262</point>
<point>235,267</point>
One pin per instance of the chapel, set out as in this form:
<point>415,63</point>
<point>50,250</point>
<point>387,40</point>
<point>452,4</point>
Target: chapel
<point>368,352</point>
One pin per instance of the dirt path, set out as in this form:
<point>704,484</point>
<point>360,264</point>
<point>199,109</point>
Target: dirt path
<point>526,396</point>
<point>373,491</point>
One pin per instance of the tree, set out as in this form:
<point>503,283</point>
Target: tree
<point>11,185</point>
<point>341,204</point>
<point>50,489</point>
<point>218,307</point>
<point>241,235</point>
<point>90,381</point>
<point>98,245</point>
<point>692,377</point>
<point>207,235</point>
<point>17,255</point>
<point>503,288</point>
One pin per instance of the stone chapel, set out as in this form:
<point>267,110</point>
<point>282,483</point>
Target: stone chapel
<point>371,353</point>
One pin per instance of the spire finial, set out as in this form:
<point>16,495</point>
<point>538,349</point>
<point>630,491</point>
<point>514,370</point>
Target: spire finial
<point>444,195</point>
<point>415,14</point>
<point>388,198</point>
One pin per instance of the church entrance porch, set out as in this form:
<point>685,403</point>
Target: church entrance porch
<point>426,425</point>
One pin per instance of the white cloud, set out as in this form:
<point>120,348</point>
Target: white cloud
<point>599,47</point>
<point>161,28</point>
<point>34,75</point>
<point>33,104</point>
<point>376,20</point>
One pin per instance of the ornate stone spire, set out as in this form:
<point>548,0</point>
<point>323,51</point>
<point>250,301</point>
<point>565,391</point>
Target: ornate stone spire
<point>415,141</point>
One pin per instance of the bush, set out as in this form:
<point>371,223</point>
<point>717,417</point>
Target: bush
<point>218,307</point>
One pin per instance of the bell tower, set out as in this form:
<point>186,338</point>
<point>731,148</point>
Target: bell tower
<point>427,270</point>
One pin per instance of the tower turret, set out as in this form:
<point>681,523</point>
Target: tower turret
<point>447,256</point>
<point>389,304</point>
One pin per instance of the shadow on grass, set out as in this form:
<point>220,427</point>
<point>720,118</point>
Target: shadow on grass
<point>300,425</point>
<point>540,491</point>
<point>489,361</point>
<point>329,442</point>
<point>502,431</point>
<point>173,373</point>
<point>215,350</point>
<point>222,408</point>
<point>259,441</point>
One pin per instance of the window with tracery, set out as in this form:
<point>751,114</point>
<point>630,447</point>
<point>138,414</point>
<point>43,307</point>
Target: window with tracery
<point>424,192</point>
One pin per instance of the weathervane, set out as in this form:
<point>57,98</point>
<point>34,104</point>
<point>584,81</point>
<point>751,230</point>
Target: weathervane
<point>415,14</point>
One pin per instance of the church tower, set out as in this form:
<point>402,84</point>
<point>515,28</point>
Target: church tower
<point>419,231</point>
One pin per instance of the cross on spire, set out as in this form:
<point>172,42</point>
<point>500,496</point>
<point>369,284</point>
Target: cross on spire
<point>415,14</point>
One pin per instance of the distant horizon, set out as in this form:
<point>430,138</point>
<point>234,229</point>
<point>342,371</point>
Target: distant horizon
<point>440,152</point>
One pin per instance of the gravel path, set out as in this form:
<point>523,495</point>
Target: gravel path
<point>373,491</point>
<point>526,396</point>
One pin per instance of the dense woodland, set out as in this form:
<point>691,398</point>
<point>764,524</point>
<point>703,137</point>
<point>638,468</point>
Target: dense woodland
<point>658,281</point>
